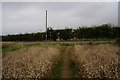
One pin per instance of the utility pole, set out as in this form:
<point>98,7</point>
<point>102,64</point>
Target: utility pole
<point>46,24</point>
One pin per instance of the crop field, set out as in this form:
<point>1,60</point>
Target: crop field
<point>99,61</point>
<point>59,60</point>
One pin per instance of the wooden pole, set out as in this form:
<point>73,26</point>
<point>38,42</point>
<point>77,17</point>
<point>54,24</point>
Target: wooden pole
<point>46,24</point>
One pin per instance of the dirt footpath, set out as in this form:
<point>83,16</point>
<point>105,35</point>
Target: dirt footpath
<point>36,62</point>
<point>66,72</point>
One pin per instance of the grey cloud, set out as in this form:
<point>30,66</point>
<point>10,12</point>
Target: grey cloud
<point>25,17</point>
<point>0,18</point>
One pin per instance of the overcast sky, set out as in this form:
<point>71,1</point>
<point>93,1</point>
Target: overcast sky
<point>26,17</point>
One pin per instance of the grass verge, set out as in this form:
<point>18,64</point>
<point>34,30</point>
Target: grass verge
<point>95,43</point>
<point>14,48</point>
<point>18,47</point>
<point>82,43</point>
<point>9,49</point>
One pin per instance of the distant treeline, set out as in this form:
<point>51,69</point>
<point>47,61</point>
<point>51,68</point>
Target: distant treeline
<point>95,32</point>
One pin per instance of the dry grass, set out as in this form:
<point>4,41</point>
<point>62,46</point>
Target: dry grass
<point>9,44</point>
<point>35,62</point>
<point>97,61</point>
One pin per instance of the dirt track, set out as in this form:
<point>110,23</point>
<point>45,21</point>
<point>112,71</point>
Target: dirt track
<point>66,72</point>
<point>29,63</point>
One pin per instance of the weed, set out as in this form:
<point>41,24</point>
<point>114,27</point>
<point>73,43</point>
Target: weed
<point>74,68</point>
<point>66,44</point>
<point>0,50</point>
<point>56,72</point>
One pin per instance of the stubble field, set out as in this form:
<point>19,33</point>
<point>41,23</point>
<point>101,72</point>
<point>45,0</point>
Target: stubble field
<point>76,61</point>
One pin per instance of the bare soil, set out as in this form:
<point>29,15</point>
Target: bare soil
<point>66,72</point>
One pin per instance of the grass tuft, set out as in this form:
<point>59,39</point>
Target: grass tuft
<point>9,49</point>
<point>56,72</point>
<point>66,44</point>
<point>74,69</point>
